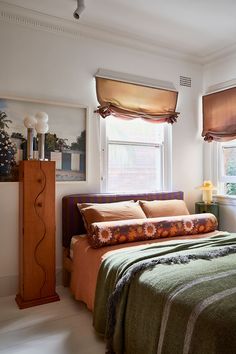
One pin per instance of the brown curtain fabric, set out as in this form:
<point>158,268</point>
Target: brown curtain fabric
<point>126,100</point>
<point>219,115</point>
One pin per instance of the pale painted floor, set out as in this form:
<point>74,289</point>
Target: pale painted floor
<point>62,327</point>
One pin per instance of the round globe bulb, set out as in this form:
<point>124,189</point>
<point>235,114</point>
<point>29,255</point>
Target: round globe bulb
<point>42,116</point>
<point>30,121</point>
<point>41,127</point>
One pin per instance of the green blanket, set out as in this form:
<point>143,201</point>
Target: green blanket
<point>174,297</point>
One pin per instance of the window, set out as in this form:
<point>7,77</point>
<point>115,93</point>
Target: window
<point>227,167</point>
<point>135,155</point>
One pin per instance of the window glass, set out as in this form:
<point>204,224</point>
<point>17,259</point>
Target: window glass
<point>230,188</point>
<point>134,130</point>
<point>229,157</point>
<point>228,167</point>
<point>134,168</point>
<point>133,155</point>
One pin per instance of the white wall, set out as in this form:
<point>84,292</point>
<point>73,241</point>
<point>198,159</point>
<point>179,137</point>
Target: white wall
<point>214,74</point>
<point>220,71</point>
<point>42,65</point>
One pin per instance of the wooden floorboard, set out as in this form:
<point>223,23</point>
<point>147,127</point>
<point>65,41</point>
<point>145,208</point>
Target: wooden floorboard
<point>62,327</point>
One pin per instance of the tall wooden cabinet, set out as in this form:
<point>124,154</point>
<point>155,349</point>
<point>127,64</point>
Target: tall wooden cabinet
<point>37,234</point>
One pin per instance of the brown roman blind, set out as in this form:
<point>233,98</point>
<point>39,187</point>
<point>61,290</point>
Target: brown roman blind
<point>129,100</point>
<point>219,115</point>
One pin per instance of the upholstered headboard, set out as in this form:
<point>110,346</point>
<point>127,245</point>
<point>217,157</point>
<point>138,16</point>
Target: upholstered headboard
<point>72,223</point>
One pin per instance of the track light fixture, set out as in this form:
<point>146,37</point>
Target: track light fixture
<point>80,8</point>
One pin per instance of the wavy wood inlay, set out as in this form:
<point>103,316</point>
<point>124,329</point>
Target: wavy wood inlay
<point>37,234</point>
<point>37,207</point>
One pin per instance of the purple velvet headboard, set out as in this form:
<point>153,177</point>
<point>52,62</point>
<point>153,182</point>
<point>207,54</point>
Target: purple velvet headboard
<point>72,223</point>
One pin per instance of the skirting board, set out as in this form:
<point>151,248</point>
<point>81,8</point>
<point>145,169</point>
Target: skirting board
<point>9,284</point>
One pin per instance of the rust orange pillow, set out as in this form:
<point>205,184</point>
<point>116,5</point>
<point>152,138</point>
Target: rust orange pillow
<point>115,232</point>
<point>158,208</point>
<point>111,212</point>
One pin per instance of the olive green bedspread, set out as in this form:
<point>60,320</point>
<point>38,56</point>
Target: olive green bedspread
<point>169,298</point>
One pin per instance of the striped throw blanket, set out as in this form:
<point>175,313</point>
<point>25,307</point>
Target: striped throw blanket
<point>176,297</point>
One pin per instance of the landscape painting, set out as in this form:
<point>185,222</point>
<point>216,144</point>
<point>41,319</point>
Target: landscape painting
<point>65,142</point>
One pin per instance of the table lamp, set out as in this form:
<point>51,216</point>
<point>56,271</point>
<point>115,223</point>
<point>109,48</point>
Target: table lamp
<point>41,128</point>
<point>207,189</point>
<point>29,123</point>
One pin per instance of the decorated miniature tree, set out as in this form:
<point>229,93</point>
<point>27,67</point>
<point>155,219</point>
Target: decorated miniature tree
<point>4,121</point>
<point>7,148</point>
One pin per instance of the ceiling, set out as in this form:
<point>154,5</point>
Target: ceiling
<point>201,28</point>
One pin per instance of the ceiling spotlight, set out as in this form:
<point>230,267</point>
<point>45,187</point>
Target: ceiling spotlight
<point>80,8</point>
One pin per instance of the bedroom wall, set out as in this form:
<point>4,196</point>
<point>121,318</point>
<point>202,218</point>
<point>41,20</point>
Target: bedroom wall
<point>42,65</point>
<point>216,73</point>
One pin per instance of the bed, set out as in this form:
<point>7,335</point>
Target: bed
<point>73,225</point>
<point>175,295</point>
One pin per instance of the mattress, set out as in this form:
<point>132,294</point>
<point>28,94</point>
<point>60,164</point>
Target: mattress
<point>73,242</point>
<point>87,261</point>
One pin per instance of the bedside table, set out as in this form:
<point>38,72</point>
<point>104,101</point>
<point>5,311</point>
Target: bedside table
<point>213,208</point>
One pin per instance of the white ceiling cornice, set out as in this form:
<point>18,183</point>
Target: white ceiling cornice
<point>219,55</point>
<point>39,21</point>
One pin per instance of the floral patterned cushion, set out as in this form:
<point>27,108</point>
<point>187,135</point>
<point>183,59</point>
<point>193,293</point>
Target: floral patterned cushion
<point>114,232</point>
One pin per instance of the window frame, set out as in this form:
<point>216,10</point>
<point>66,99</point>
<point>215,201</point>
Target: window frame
<point>218,167</point>
<point>166,156</point>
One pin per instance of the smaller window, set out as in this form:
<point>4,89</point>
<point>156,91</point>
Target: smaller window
<point>227,167</point>
<point>134,154</point>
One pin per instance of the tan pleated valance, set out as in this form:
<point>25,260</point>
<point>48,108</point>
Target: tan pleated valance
<point>219,115</point>
<point>129,100</point>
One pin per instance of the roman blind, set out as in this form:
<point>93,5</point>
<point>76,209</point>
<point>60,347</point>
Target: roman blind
<point>135,100</point>
<point>219,115</point>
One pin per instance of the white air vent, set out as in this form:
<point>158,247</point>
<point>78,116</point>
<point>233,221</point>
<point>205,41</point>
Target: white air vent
<point>185,81</point>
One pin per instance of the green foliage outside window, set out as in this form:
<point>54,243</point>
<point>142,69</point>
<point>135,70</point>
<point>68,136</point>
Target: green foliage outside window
<point>231,171</point>
<point>231,188</point>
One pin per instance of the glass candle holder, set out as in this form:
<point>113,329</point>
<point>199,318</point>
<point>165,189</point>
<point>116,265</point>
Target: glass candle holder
<point>29,123</point>
<point>41,128</point>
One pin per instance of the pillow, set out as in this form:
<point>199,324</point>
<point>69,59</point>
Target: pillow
<point>82,206</point>
<point>86,205</point>
<point>115,232</point>
<point>111,211</point>
<point>157,208</point>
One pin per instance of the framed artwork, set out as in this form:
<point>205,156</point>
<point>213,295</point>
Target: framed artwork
<point>65,142</point>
